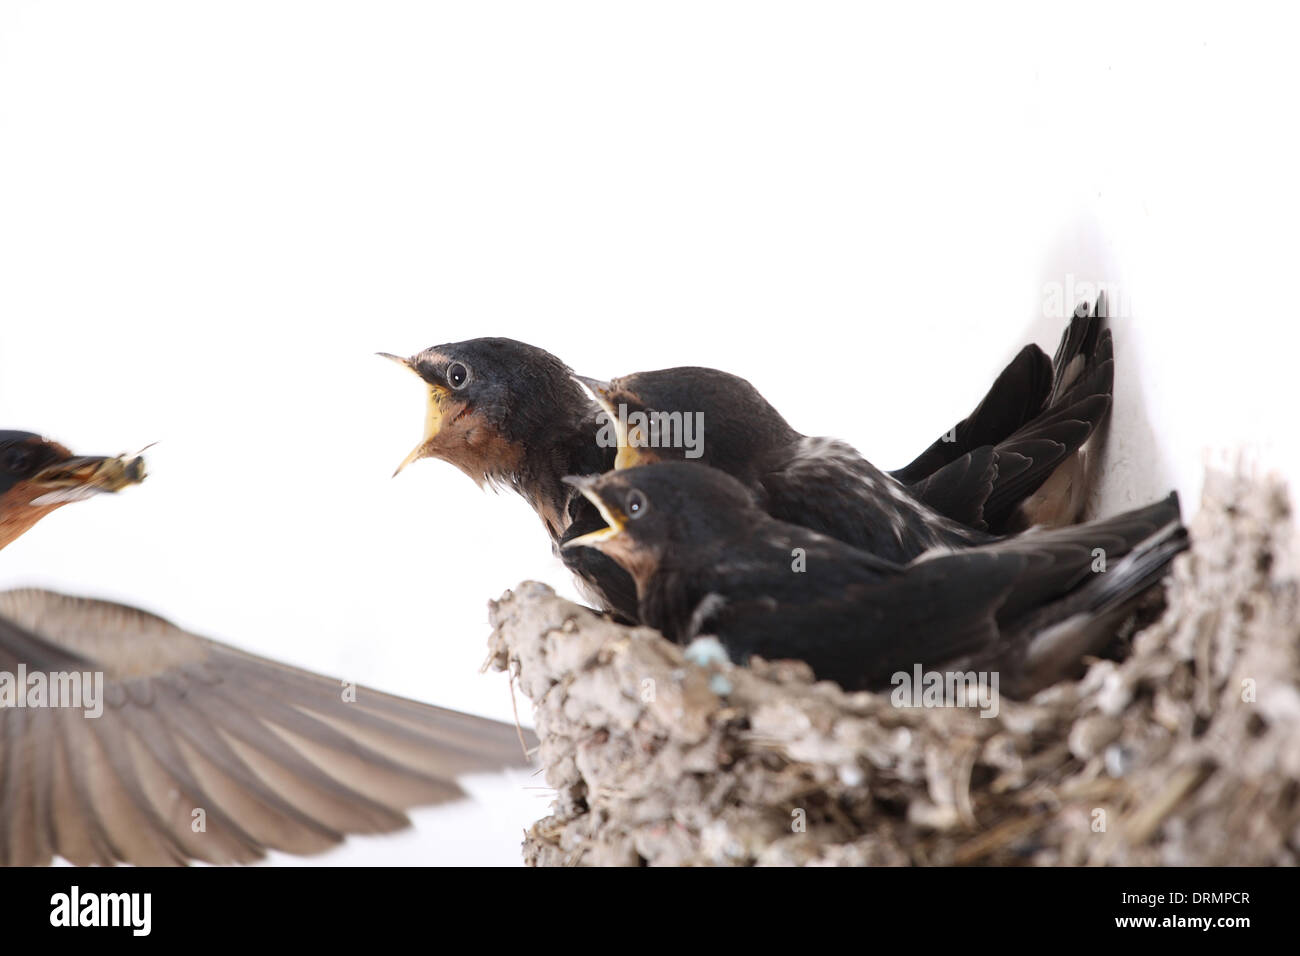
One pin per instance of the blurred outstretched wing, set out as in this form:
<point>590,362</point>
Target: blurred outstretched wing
<point>202,751</point>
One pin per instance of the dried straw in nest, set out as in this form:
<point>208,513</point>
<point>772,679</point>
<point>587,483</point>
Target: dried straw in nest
<point>1186,750</point>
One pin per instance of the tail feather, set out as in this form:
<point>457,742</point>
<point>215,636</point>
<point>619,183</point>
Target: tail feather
<point>1084,622</point>
<point>1016,396</point>
<point>1034,418</point>
<point>1079,341</point>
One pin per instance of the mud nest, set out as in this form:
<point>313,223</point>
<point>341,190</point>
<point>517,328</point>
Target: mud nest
<point>1185,750</point>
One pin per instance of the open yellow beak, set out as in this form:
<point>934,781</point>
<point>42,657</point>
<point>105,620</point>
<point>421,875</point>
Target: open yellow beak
<point>628,455</point>
<point>432,414</point>
<point>614,519</point>
<point>78,478</point>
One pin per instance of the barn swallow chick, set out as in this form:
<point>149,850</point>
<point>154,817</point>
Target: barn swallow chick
<point>709,561</point>
<point>38,476</point>
<point>826,485</point>
<point>820,483</point>
<point>509,414</point>
<point>125,739</point>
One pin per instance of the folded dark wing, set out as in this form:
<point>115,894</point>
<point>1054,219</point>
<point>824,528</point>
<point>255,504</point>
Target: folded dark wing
<point>1035,417</point>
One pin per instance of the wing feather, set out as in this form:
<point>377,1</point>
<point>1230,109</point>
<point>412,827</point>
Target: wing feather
<point>273,756</point>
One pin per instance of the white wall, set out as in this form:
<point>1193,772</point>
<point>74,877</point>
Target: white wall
<point>211,215</point>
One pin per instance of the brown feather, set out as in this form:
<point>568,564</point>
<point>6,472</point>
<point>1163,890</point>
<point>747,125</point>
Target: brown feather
<point>273,756</point>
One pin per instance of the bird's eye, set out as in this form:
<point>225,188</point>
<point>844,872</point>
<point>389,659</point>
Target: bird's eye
<point>457,374</point>
<point>636,503</point>
<point>17,460</point>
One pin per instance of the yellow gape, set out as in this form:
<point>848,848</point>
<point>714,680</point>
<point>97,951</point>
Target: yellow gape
<point>630,443</point>
<point>432,425</point>
<point>432,414</point>
<point>614,518</point>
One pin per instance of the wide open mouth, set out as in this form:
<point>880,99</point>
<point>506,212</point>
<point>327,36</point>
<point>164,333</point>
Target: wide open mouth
<point>433,415</point>
<point>615,520</point>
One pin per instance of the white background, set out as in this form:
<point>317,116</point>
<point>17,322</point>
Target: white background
<point>212,214</point>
